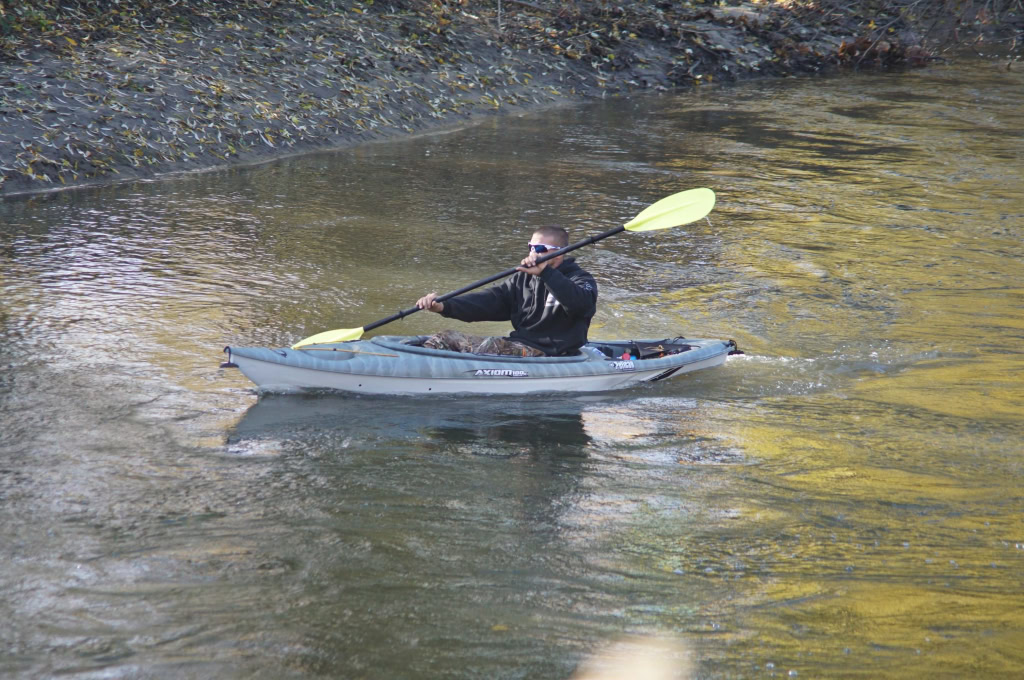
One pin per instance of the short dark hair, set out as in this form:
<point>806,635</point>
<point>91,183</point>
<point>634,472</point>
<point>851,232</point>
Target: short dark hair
<point>554,236</point>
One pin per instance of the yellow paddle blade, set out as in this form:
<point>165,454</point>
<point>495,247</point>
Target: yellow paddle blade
<point>675,210</point>
<point>327,337</point>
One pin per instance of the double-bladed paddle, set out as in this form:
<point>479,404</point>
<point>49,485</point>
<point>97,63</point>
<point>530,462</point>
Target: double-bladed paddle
<point>671,211</point>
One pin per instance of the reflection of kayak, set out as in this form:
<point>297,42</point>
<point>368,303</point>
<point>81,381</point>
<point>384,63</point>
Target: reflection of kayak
<point>400,365</point>
<point>481,426</point>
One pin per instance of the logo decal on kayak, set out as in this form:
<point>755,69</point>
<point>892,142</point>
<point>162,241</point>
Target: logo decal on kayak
<point>623,366</point>
<point>500,373</point>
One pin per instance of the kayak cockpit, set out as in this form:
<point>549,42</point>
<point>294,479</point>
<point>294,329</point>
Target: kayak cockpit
<point>414,345</point>
<point>624,349</point>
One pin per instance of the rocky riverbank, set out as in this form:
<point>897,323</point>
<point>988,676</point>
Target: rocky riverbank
<point>142,89</point>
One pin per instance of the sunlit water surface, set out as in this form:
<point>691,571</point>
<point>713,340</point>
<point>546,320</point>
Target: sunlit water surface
<point>843,500</point>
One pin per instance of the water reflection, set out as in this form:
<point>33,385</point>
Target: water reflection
<point>481,426</point>
<point>843,496</point>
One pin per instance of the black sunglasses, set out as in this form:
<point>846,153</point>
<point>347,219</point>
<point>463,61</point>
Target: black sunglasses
<point>541,248</point>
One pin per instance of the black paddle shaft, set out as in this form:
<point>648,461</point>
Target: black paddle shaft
<point>482,282</point>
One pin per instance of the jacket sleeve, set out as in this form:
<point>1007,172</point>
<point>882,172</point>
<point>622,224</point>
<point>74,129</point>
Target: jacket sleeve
<point>493,304</point>
<point>578,293</point>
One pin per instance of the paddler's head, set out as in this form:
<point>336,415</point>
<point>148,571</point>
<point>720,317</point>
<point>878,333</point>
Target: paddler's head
<point>546,239</point>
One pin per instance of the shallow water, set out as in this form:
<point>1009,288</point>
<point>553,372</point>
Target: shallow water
<point>843,500</point>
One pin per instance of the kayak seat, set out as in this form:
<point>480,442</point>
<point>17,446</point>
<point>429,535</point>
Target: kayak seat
<point>415,340</point>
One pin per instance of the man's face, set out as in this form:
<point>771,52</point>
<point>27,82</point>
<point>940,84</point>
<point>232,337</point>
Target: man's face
<point>541,247</point>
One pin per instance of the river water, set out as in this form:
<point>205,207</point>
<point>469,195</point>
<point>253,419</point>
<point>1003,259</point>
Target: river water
<point>843,500</point>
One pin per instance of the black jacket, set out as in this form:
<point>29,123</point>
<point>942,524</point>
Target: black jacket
<point>551,312</point>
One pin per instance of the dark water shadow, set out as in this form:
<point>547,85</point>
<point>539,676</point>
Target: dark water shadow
<point>505,425</point>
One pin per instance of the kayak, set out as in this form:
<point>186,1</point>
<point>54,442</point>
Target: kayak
<point>392,364</point>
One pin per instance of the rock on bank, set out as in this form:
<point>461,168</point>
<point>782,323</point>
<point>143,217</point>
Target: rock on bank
<point>101,90</point>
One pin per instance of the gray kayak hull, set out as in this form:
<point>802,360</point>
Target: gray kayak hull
<point>398,365</point>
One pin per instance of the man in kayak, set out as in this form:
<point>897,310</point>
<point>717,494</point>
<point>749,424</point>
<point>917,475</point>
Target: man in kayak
<point>549,304</point>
